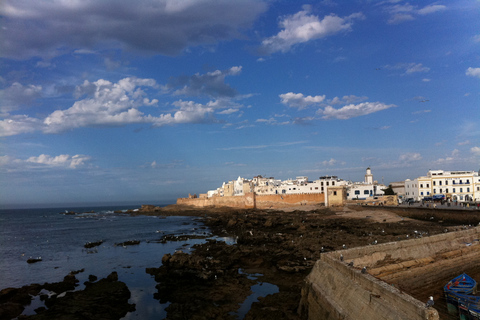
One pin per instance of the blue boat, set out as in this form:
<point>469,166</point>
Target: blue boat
<point>460,299</point>
<point>461,284</point>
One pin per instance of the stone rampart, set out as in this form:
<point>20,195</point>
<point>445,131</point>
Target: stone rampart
<point>335,290</point>
<point>251,200</point>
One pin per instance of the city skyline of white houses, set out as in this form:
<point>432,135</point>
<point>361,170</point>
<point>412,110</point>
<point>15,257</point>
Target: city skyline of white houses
<point>462,186</point>
<point>300,185</point>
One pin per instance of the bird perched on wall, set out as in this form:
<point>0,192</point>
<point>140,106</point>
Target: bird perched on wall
<point>350,264</point>
<point>364,270</point>
<point>341,257</point>
<point>344,246</point>
<point>430,303</point>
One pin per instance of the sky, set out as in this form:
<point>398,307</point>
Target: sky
<point>109,101</point>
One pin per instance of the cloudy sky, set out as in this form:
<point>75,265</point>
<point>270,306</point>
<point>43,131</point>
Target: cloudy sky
<point>148,100</point>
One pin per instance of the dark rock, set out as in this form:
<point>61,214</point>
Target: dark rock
<point>128,243</point>
<point>89,245</point>
<point>106,299</point>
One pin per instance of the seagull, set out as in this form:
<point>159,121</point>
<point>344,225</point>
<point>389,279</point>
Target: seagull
<point>323,249</point>
<point>350,264</point>
<point>344,246</point>
<point>341,257</point>
<point>430,303</point>
<point>364,270</point>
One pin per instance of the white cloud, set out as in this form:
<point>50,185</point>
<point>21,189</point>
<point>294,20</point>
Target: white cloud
<point>473,72</point>
<point>303,27</point>
<point>163,27</point>
<point>463,143</point>
<point>408,68</point>
<point>19,124</point>
<point>347,99</point>
<point>476,38</point>
<point>426,80</point>
<point>431,9</point>
<point>352,110</point>
<point>46,161</point>
<point>407,157</point>
<point>298,100</point>
<point>405,12</point>
<point>475,151</point>
<point>106,103</point>
<point>329,163</point>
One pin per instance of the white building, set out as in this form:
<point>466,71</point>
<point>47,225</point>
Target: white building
<point>463,186</point>
<point>366,189</point>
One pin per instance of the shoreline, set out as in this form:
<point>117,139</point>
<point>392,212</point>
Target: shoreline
<point>279,246</point>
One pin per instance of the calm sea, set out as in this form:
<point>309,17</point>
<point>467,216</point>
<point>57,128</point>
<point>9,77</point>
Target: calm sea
<point>59,240</point>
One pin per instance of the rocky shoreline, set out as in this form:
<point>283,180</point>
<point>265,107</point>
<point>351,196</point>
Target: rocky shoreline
<point>279,247</point>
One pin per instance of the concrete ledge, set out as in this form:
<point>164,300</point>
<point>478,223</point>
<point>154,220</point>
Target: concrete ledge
<point>333,290</point>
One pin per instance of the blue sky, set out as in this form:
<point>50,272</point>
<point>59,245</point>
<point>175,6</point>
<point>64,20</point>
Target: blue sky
<point>146,101</point>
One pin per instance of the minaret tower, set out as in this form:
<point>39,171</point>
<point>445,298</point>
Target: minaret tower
<point>369,176</point>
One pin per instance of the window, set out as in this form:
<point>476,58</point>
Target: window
<point>446,183</point>
<point>316,188</point>
<point>434,190</point>
<point>461,189</point>
<point>333,183</point>
<point>434,182</point>
<point>357,191</point>
<point>421,193</point>
<point>327,183</point>
<point>321,183</point>
<point>440,190</point>
<point>440,183</point>
<point>468,189</point>
<point>334,193</point>
<point>468,181</point>
<point>446,190</point>
<point>428,186</point>
<point>428,193</point>
<point>453,190</point>
<point>366,192</point>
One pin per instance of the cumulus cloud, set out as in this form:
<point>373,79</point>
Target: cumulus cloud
<point>210,84</point>
<point>298,100</point>
<point>399,13</point>
<point>104,103</point>
<point>303,27</point>
<point>473,72</point>
<point>49,28</point>
<point>353,110</point>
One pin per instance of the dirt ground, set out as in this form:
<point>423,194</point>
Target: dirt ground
<point>280,247</point>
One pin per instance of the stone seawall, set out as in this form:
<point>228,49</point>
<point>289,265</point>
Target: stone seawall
<point>252,200</point>
<point>334,290</point>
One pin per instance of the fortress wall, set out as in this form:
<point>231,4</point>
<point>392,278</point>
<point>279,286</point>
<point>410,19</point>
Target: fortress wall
<point>333,290</point>
<point>242,202</point>
<point>251,200</point>
<point>278,200</point>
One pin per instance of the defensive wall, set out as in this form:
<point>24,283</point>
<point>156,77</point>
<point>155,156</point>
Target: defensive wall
<point>252,200</point>
<point>335,290</point>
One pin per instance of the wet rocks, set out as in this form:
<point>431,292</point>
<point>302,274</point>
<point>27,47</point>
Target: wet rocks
<point>106,299</point>
<point>89,245</point>
<point>128,243</point>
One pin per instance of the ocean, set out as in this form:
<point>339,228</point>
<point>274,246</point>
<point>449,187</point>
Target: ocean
<point>59,239</point>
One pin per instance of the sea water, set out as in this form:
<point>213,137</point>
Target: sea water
<point>59,240</point>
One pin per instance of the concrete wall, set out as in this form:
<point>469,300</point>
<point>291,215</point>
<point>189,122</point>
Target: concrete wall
<point>333,290</point>
<point>251,200</point>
